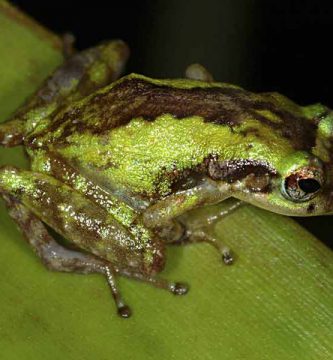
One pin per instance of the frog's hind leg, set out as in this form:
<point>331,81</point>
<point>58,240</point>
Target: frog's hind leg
<point>35,197</point>
<point>80,75</point>
<point>58,258</point>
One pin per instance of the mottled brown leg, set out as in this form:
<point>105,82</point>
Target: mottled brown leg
<point>79,76</point>
<point>58,258</point>
<point>53,255</point>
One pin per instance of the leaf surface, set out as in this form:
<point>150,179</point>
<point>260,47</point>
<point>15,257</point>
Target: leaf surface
<point>274,303</point>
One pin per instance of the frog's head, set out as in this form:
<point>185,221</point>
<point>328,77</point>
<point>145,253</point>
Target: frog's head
<point>302,187</point>
<point>302,182</point>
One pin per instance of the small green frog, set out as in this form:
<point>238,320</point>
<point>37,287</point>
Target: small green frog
<point>117,164</point>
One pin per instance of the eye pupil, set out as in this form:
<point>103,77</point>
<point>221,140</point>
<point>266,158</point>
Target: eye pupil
<point>303,184</point>
<point>309,185</point>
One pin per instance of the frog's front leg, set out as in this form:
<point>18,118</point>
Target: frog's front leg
<point>33,196</point>
<point>169,216</point>
<point>206,192</point>
<point>200,225</point>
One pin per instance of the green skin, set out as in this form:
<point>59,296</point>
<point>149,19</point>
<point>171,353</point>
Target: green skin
<point>117,165</point>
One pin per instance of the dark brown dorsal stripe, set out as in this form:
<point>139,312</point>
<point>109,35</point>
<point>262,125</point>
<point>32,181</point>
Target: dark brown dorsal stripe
<point>135,97</point>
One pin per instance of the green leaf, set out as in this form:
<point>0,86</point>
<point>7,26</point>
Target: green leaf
<point>274,303</point>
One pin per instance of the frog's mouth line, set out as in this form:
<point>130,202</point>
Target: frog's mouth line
<point>277,203</point>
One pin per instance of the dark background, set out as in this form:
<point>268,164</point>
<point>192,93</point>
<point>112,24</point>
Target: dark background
<point>262,45</point>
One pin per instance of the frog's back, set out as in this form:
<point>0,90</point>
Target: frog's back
<point>136,96</point>
<point>137,130</point>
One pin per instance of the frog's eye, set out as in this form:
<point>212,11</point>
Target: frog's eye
<point>303,184</point>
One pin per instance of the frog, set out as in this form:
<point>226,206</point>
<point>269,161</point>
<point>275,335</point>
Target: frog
<point>119,164</point>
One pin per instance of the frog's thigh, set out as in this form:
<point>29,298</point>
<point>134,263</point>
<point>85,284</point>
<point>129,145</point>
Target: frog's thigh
<point>75,217</point>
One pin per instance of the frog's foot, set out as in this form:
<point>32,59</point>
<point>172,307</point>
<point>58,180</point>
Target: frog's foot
<point>227,257</point>
<point>176,288</point>
<point>203,235</point>
<point>124,310</point>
